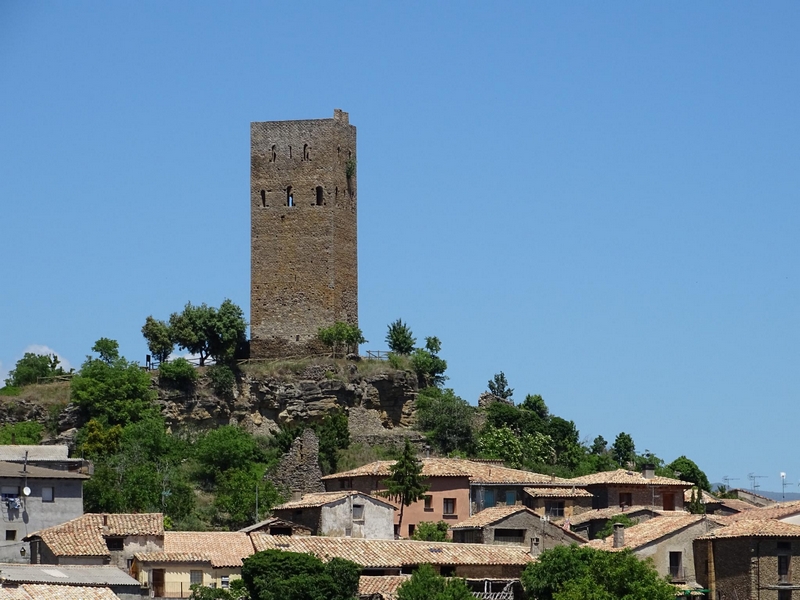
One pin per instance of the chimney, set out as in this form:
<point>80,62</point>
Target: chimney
<point>619,535</point>
<point>105,520</point>
<point>648,471</point>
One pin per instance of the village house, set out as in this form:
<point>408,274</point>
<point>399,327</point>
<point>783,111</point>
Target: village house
<point>589,524</point>
<point>750,558</point>
<point>43,582</point>
<point>666,539</point>
<point>31,498</point>
<point>631,488</point>
<point>398,557</point>
<point>98,539</point>
<point>276,526</point>
<point>209,558</point>
<point>513,525</point>
<point>458,488</point>
<point>344,513</point>
<point>558,502</point>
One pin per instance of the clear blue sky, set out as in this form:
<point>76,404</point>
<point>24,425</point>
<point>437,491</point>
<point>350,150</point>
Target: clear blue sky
<point>600,199</point>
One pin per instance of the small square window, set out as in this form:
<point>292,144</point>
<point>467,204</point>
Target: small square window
<point>428,502</point>
<point>115,544</point>
<point>358,512</point>
<point>48,494</point>
<point>11,535</point>
<point>195,577</point>
<point>411,529</point>
<point>225,582</point>
<point>449,506</point>
<point>626,499</point>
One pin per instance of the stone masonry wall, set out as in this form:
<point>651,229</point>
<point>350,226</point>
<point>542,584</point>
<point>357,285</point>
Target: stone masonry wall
<point>304,266</point>
<point>298,470</point>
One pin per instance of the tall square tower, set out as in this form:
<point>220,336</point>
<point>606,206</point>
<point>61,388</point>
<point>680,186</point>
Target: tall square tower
<point>303,263</point>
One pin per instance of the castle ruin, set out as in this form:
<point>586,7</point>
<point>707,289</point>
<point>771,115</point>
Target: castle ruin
<point>304,265</point>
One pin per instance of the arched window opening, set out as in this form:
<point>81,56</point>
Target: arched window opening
<point>336,193</point>
<point>306,155</point>
<point>289,196</point>
<point>290,152</point>
<point>272,154</point>
<point>320,196</point>
<point>263,198</point>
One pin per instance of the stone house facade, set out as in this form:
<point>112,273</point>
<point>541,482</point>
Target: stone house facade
<point>667,540</point>
<point>513,525</point>
<point>557,502</point>
<point>629,488</point>
<point>304,265</point>
<point>346,513</point>
<point>750,559</point>
<point>33,498</point>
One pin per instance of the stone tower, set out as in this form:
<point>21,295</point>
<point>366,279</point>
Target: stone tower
<point>304,266</point>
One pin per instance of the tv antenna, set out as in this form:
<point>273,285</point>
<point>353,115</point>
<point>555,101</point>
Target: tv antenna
<point>783,485</point>
<point>754,480</point>
<point>728,480</point>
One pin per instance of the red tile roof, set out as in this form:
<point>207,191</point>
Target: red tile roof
<point>395,553</point>
<point>624,477</point>
<point>477,472</point>
<point>220,548</point>
<point>654,529</point>
<point>778,511</point>
<point>557,492</point>
<point>754,528</point>
<point>491,515</point>
<point>39,591</point>
<point>385,585</point>
<point>86,535</point>
<point>322,498</point>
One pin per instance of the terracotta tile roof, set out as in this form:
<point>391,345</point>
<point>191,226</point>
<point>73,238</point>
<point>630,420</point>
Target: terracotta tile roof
<point>705,497</point>
<point>736,504</point>
<point>37,591</point>
<point>611,511</point>
<point>654,529</point>
<point>778,511</point>
<point>220,548</point>
<point>754,528</point>
<point>322,498</point>
<point>490,515</point>
<point>624,477</point>
<point>457,467</point>
<point>557,492</point>
<point>385,585</point>
<point>85,535</point>
<point>378,554</point>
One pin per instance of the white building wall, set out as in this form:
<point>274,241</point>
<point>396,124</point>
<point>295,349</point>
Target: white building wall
<point>336,519</point>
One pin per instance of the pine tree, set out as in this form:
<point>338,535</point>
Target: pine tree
<point>405,484</point>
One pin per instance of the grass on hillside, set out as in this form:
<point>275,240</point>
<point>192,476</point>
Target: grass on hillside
<point>336,368</point>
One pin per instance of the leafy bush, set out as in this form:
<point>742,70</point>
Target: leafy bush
<point>10,390</point>
<point>224,448</point>
<point>446,420</point>
<point>341,334</point>
<point>26,432</point>
<point>222,380</point>
<point>31,367</point>
<point>177,373</point>
<point>427,364</point>
<point>426,584</point>
<point>429,531</point>
<point>608,528</point>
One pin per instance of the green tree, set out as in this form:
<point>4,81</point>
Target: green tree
<point>689,471</point>
<point>405,484</point>
<point>334,435</point>
<point>343,335</point>
<point>623,450</point>
<point>498,386</point>
<point>579,572</point>
<point>446,420</point>
<point>278,575</point>
<point>696,505</point>
<point>96,440</point>
<point>31,367</point>
<point>110,388</point>
<point>427,364</point>
<point>235,501</point>
<point>515,449</point>
<point>535,403</point>
<point>400,338</point>
<point>159,338</point>
<point>599,445</point>
<point>209,332</point>
<point>227,447</point>
<point>430,531</point>
<point>426,584</point>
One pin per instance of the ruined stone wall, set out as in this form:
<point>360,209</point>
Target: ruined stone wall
<point>298,471</point>
<point>304,268</point>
